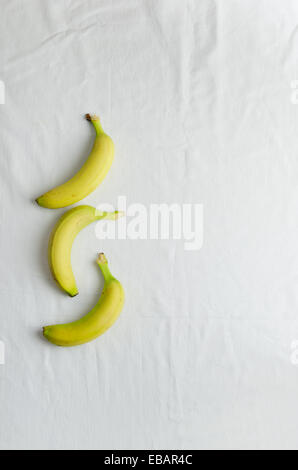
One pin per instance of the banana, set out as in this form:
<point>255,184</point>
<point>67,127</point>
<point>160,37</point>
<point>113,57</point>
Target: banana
<point>62,238</point>
<point>90,175</point>
<point>95,323</point>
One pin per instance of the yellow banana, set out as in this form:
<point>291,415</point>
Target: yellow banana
<point>62,238</point>
<point>90,175</point>
<point>95,323</point>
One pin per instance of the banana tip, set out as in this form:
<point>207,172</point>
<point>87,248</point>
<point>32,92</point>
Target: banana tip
<point>40,201</point>
<point>102,259</point>
<point>92,117</point>
<point>73,295</point>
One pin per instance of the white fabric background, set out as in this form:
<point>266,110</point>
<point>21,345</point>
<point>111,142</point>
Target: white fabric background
<point>197,97</point>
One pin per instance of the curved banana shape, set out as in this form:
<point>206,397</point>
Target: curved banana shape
<point>62,238</point>
<point>90,175</point>
<point>95,323</point>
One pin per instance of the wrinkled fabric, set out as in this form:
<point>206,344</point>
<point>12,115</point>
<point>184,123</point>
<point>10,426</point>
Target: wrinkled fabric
<point>198,98</point>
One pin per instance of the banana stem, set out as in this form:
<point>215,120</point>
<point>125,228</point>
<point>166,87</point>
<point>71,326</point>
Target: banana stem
<point>104,267</point>
<point>96,123</point>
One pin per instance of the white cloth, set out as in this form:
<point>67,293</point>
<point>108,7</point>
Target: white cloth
<point>197,97</point>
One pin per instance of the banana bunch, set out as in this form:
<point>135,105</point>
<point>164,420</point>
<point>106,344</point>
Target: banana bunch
<point>111,301</point>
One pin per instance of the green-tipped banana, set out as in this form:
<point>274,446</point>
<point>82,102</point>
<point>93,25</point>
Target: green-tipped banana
<point>62,238</point>
<point>90,175</point>
<point>95,323</point>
